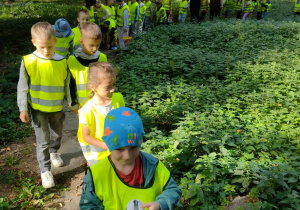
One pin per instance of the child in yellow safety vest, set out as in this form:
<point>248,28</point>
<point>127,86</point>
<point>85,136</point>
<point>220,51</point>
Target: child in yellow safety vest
<point>90,7</point>
<point>183,8</point>
<point>140,22</point>
<point>161,15</point>
<point>123,23</point>
<point>128,178</point>
<point>134,11</point>
<point>102,83</point>
<point>203,9</point>
<point>297,7</point>
<point>266,8</point>
<point>79,63</point>
<point>111,37</point>
<point>82,17</point>
<point>43,85</point>
<point>64,36</point>
<point>239,8</point>
<point>247,9</point>
<point>101,14</point>
<point>148,15</point>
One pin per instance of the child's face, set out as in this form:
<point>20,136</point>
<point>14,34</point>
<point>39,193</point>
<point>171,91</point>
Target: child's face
<point>83,18</point>
<point>45,46</point>
<point>125,155</point>
<point>89,45</point>
<point>105,89</point>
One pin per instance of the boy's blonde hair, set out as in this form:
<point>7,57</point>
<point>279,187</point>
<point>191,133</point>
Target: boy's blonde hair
<point>42,30</point>
<point>98,71</point>
<point>83,11</point>
<point>91,30</point>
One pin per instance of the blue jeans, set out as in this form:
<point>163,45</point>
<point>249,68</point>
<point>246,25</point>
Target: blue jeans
<point>181,17</point>
<point>48,132</point>
<point>147,24</point>
<point>265,15</point>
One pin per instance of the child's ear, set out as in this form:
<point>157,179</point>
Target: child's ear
<point>32,40</point>
<point>81,42</point>
<point>91,87</point>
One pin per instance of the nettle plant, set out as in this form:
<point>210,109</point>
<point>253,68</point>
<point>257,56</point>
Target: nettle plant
<point>220,106</point>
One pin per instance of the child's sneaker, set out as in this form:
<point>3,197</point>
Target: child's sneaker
<point>56,159</point>
<point>47,179</point>
<point>114,48</point>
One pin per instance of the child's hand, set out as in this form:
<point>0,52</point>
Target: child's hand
<point>151,206</point>
<point>24,116</point>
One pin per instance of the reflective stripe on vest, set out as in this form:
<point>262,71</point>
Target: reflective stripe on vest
<point>80,74</point>
<point>132,13</point>
<point>148,11</point>
<point>77,36</point>
<point>91,12</point>
<point>166,4</point>
<point>297,7</point>
<point>95,122</point>
<point>268,7</point>
<point>230,4</point>
<point>239,5</point>
<point>115,194</point>
<point>204,5</point>
<point>63,44</point>
<point>247,7</point>
<point>120,12</point>
<point>162,15</point>
<point>182,9</point>
<point>46,83</point>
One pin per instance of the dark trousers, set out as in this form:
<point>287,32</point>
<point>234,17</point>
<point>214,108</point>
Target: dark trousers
<point>239,14</point>
<point>259,14</point>
<point>194,9</point>
<point>215,11</point>
<point>202,17</point>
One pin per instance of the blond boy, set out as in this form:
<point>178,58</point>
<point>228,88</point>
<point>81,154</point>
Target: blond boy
<point>79,63</point>
<point>83,16</point>
<point>42,86</point>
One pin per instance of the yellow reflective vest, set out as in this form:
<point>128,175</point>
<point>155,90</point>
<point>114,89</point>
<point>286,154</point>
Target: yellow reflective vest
<point>95,121</point>
<point>101,13</point>
<point>63,44</point>
<point>148,11</point>
<point>91,12</point>
<point>115,194</point>
<point>112,16</point>
<point>239,5</point>
<point>132,13</point>
<point>182,8</point>
<point>80,74</point>
<point>120,12</point>
<point>77,37</point>
<point>248,6</point>
<point>161,15</point>
<point>46,82</point>
<point>166,4</point>
<point>297,7</point>
<point>204,6</point>
<point>142,12</point>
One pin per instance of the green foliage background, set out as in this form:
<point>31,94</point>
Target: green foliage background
<point>219,101</point>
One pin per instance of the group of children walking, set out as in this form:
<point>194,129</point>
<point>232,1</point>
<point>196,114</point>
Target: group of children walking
<point>64,66</point>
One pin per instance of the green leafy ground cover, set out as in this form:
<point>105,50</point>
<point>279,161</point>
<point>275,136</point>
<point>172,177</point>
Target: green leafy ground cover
<point>219,101</point>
